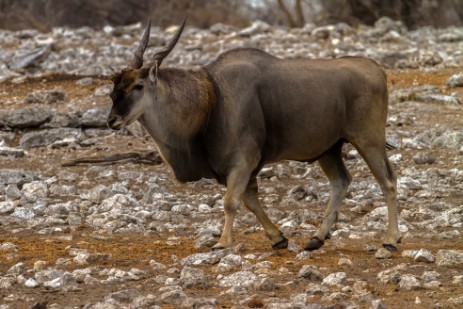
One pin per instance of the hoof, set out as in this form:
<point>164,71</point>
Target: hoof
<point>314,244</point>
<point>218,247</point>
<point>390,248</point>
<point>282,244</point>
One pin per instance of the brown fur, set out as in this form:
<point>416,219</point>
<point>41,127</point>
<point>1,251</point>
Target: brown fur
<point>187,95</point>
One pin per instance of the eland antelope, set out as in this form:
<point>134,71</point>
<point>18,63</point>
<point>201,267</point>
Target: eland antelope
<point>229,118</point>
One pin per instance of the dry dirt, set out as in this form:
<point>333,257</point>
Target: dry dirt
<point>130,251</point>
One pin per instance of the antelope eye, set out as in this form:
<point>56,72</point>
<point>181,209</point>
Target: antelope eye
<point>138,87</point>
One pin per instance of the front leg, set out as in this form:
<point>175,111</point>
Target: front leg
<point>237,181</point>
<point>230,205</point>
<point>251,201</point>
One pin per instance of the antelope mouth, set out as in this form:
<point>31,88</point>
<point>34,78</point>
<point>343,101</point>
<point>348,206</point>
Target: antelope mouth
<point>115,126</point>
<point>119,124</point>
<point>115,123</point>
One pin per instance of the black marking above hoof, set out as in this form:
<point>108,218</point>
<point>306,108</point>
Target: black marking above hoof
<point>282,244</point>
<point>314,244</point>
<point>390,248</point>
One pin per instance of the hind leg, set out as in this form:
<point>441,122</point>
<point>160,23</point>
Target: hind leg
<point>251,201</point>
<point>374,154</point>
<point>334,168</point>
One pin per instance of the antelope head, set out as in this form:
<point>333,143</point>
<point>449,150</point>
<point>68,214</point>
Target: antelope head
<point>135,86</point>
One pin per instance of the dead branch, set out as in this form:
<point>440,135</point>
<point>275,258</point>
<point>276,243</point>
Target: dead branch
<point>150,157</point>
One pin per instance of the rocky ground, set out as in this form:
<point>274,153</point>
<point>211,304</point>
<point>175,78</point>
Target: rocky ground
<point>124,234</point>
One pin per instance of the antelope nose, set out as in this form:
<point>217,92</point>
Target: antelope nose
<point>111,120</point>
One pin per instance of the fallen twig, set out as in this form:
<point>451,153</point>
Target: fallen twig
<point>150,157</point>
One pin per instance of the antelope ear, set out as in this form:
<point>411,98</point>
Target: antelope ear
<point>154,73</point>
